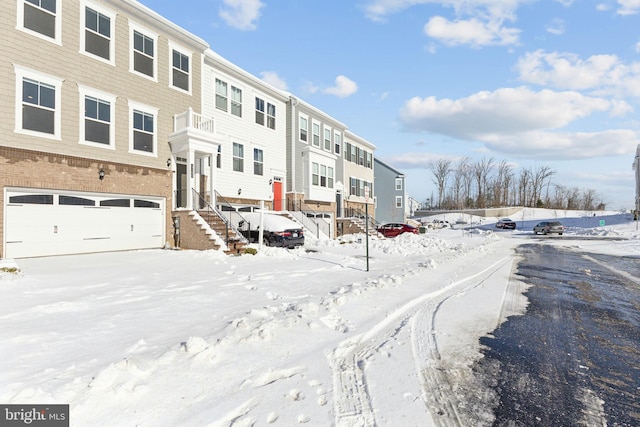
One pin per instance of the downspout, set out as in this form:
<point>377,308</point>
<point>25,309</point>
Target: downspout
<point>292,168</point>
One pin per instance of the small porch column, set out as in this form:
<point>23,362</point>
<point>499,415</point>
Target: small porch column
<point>191,203</point>
<point>212,178</point>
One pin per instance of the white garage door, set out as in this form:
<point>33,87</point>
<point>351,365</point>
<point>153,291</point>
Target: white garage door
<point>40,223</point>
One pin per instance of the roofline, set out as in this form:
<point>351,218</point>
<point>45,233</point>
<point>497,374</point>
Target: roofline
<point>148,13</point>
<point>389,167</point>
<point>211,55</point>
<point>360,139</point>
<point>297,101</point>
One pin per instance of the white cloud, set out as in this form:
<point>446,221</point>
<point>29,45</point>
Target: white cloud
<point>415,160</point>
<point>638,47</point>
<point>565,146</point>
<point>344,87</point>
<point>472,32</point>
<point>241,14</point>
<point>273,79</point>
<point>605,73</point>
<point>628,7</point>
<point>521,122</point>
<point>556,27</point>
<point>504,111</point>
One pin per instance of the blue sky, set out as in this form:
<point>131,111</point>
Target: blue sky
<point>551,83</point>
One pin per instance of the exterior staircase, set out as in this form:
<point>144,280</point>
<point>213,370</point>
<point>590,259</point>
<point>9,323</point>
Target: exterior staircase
<point>356,225</point>
<point>236,244</point>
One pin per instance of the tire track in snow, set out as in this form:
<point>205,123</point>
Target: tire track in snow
<point>352,403</point>
<point>437,387</point>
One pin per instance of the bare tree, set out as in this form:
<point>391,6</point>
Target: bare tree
<point>440,169</point>
<point>524,183</point>
<point>541,177</point>
<point>501,184</point>
<point>459,191</point>
<point>481,170</point>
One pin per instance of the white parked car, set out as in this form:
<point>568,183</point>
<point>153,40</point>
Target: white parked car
<point>437,224</point>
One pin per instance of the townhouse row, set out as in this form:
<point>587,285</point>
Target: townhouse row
<point>121,130</point>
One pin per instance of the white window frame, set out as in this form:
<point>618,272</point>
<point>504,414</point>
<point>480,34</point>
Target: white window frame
<point>261,115</point>
<point>135,106</point>
<point>56,82</point>
<point>258,163</point>
<point>315,174</point>
<point>271,118</point>
<point>58,22</point>
<point>337,140</point>
<point>315,136</point>
<point>398,202</point>
<point>398,184</point>
<point>224,96</point>
<point>302,118</point>
<point>236,104</point>
<point>133,27</point>
<point>83,27</point>
<point>327,143</point>
<point>85,91</point>
<point>189,55</point>
<point>240,157</point>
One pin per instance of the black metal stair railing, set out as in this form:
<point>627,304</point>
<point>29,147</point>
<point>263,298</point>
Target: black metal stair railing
<point>210,213</point>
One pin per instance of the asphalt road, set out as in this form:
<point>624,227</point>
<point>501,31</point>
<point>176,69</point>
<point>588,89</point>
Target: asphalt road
<point>574,358</point>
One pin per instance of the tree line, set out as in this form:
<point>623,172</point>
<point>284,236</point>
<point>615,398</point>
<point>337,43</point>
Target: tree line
<point>487,183</point>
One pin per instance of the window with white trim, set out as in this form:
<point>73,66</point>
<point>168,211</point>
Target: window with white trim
<point>40,18</point>
<point>236,101</point>
<point>221,95</point>
<point>327,139</point>
<point>143,53</point>
<point>337,139</point>
<point>315,174</point>
<point>398,202</point>
<point>258,161</point>
<point>143,129</point>
<point>357,187</point>
<point>97,124</point>
<point>304,128</point>
<point>238,157</point>
<point>37,103</point>
<point>271,116</point>
<point>322,175</point>
<point>180,70</point>
<point>98,28</point>
<point>260,111</point>
<point>316,134</point>
<point>398,184</point>
<point>219,157</point>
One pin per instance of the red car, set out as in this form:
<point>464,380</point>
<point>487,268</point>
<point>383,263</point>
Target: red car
<point>395,229</point>
<point>506,224</point>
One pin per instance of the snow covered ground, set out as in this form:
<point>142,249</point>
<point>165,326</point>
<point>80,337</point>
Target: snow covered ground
<point>284,337</point>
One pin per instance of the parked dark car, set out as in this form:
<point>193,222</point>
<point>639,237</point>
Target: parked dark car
<point>278,230</point>
<point>506,224</point>
<point>548,227</point>
<point>395,229</point>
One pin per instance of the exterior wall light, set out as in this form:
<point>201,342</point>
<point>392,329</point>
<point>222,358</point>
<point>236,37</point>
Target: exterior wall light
<point>101,174</point>
<point>169,162</point>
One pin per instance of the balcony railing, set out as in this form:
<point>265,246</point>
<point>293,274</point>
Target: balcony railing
<point>191,120</point>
